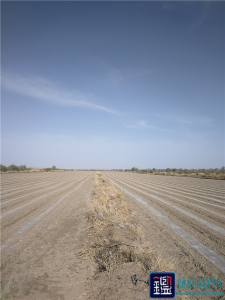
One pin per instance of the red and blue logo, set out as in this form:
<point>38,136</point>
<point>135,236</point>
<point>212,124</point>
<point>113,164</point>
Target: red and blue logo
<point>162,285</point>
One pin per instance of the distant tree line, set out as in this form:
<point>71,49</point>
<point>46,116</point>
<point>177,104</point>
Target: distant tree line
<point>13,168</point>
<point>50,169</point>
<point>20,168</point>
<point>175,170</point>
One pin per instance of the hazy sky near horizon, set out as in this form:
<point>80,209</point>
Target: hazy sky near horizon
<point>113,84</point>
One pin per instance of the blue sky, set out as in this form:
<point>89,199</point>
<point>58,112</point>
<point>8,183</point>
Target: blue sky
<point>112,84</point>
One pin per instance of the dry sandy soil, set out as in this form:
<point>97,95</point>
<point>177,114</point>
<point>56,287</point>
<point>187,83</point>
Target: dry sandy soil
<point>44,226</point>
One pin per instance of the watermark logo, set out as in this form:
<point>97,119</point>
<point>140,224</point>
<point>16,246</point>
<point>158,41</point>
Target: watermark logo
<point>198,286</point>
<point>162,285</point>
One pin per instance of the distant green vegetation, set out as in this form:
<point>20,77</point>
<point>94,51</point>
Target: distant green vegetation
<point>134,169</point>
<point>50,169</point>
<point>173,171</point>
<point>13,168</point>
<point>24,168</point>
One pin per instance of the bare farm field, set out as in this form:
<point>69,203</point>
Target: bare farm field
<point>91,235</point>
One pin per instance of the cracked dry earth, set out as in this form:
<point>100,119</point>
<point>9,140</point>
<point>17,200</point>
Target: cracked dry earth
<point>44,221</point>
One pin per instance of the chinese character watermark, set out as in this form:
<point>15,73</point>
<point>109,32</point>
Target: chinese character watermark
<point>162,285</point>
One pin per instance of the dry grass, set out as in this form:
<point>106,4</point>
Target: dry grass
<point>113,232</point>
<point>117,245</point>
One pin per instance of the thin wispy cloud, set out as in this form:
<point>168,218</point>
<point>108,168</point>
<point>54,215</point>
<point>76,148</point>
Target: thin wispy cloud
<point>46,90</point>
<point>197,120</point>
<point>144,125</point>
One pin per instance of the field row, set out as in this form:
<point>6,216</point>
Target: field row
<point>193,209</point>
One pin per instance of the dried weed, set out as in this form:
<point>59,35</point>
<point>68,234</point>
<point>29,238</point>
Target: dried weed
<point>116,243</point>
<point>114,236</point>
